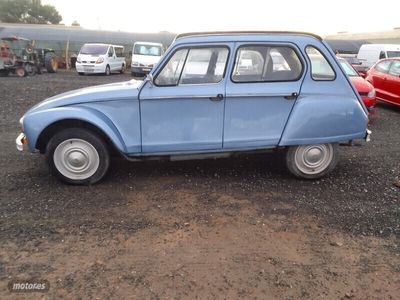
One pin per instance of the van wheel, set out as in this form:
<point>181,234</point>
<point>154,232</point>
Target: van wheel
<point>123,69</point>
<point>81,73</point>
<point>312,161</point>
<point>77,156</point>
<point>107,71</point>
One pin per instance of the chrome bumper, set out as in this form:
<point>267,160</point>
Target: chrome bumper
<point>20,141</point>
<point>368,135</point>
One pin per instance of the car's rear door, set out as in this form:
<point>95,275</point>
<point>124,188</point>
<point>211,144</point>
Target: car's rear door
<point>264,85</point>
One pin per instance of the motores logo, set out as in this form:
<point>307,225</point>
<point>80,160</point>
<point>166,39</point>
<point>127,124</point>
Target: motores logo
<point>29,285</point>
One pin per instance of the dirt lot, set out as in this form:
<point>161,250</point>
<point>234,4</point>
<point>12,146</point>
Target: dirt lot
<point>212,229</point>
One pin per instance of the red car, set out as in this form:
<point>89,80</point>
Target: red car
<point>364,88</point>
<point>385,77</point>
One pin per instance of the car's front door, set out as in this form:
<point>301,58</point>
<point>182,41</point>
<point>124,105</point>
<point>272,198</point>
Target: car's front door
<point>392,84</point>
<point>182,110</point>
<point>111,58</point>
<point>379,77</point>
<point>264,85</point>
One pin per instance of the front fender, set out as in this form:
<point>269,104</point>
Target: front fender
<point>34,123</point>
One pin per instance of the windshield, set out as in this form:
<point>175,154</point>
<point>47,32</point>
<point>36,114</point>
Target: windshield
<point>393,53</point>
<point>349,70</point>
<point>142,49</point>
<point>94,49</point>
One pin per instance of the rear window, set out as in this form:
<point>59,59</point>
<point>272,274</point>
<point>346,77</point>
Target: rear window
<point>320,68</point>
<point>393,53</point>
<point>266,63</point>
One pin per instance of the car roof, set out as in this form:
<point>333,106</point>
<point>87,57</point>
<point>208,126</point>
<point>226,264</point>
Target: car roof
<point>238,35</point>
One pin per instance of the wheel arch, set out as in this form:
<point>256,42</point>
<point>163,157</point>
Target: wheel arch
<point>59,125</point>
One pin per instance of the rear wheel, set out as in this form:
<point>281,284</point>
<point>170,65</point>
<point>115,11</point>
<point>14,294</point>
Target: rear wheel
<point>312,161</point>
<point>77,156</point>
<point>50,62</point>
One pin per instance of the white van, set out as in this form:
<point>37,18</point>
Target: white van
<point>144,56</point>
<point>100,58</point>
<point>369,54</point>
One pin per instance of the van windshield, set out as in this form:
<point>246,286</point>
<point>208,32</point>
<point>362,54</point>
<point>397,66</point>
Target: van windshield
<point>142,49</point>
<point>94,49</point>
<point>393,53</point>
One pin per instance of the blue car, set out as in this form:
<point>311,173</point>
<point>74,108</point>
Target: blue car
<point>211,94</point>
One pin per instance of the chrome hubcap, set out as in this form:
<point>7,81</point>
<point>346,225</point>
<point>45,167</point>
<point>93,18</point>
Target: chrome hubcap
<point>313,159</point>
<point>76,159</point>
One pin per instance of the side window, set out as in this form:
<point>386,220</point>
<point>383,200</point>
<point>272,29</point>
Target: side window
<point>382,55</point>
<point>321,70</point>
<point>194,66</point>
<point>383,66</point>
<point>266,63</point>
<point>119,51</point>
<point>395,68</point>
<point>111,52</point>
<point>171,72</point>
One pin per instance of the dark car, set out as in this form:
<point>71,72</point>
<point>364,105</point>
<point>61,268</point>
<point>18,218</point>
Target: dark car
<point>385,77</point>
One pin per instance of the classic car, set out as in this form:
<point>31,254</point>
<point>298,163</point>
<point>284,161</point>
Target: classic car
<point>211,94</point>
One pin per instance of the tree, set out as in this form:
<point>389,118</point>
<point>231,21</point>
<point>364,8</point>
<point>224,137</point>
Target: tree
<point>29,12</point>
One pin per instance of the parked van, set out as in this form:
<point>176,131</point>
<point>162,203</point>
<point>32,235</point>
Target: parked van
<point>369,54</point>
<point>144,56</point>
<point>100,58</point>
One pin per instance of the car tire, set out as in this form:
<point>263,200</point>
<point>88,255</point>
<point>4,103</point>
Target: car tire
<point>50,62</point>
<point>312,161</point>
<point>107,71</point>
<point>81,73</point>
<point>77,156</point>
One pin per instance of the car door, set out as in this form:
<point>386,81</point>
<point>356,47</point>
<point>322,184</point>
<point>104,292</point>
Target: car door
<point>379,77</point>
<point>265,82</point>
<point>392,84</point>
<point>111,58</point>
<point>183,108</point>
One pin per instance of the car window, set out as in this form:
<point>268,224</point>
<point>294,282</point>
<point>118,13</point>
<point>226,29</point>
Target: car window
<point>111,51</point>
<point>119,51</point>
<point>395,68</point>
<point>266,63</point>
<point>393,53</point>
<point>194,66</point>
<point>320,67</point>
<point>382,55</point>
<point>383,66</point>
<point>348,69</point>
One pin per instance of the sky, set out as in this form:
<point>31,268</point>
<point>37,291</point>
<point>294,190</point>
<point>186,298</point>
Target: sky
<point>320,17</point>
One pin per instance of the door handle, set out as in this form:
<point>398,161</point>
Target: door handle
<point>293,96</point>
<point>219,97</point>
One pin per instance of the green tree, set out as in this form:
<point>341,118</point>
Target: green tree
<point>28,11</point>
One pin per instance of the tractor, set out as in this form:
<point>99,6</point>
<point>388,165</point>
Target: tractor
<point>18,56</point>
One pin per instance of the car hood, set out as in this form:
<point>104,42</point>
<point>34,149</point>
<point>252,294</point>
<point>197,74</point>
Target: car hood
<point>361,84</point>
<point>107,92</point>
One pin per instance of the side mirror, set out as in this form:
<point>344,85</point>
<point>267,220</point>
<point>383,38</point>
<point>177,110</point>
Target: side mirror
<point>149,78</point>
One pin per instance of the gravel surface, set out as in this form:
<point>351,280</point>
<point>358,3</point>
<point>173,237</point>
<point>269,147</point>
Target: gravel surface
<point>359,202</point>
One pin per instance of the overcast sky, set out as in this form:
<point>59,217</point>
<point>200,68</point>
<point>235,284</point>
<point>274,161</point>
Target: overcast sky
<point>321,17</point>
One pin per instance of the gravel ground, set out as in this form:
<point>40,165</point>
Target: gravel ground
<point>209,229</point>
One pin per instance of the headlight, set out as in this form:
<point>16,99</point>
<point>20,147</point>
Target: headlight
<point>100,60</point>
<point>371,94</point>
<point>135,63</point>
<point>78,60</point>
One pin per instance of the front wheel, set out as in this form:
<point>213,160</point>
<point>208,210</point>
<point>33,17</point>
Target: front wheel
<point>107,72</point>
<point>312,161</point>
<point>77,156</point>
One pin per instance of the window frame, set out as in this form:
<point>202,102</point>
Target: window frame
<point>189,47</point>
<point>327,60</point>
<point>270,45</point>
